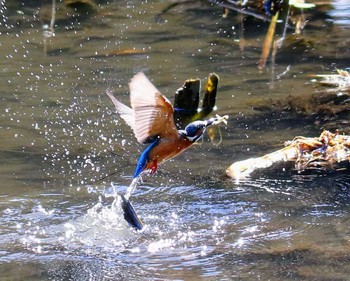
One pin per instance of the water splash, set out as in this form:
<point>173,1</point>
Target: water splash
<point>132,187</point>
<point>103,226</point>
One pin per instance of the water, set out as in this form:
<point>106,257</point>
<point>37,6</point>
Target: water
<point>339,12</point>
<point>60,135</point>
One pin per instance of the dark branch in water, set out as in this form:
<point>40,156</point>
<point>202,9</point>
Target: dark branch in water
<point>238,8</point>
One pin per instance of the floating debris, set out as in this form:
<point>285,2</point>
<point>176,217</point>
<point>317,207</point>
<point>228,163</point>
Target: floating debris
<point>340,81</point>
<point>328,152</point>
<point>114,53</point>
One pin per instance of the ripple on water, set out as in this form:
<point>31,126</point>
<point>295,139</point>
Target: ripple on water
<point>189,230</point>
<point>340,12</point>
<point>49,224</point>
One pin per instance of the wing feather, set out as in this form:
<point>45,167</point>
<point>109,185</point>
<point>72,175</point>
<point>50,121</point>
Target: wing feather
<point>154,114</point>
<point>124,111</point>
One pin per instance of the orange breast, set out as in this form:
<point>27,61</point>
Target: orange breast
<point>168,148</point>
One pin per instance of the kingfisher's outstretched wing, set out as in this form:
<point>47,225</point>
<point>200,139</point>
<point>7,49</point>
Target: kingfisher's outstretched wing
<point>152,114</point>
<point>124,111</point>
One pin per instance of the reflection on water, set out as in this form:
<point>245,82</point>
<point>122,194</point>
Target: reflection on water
<point>340,12</point>
<point>59,136</point>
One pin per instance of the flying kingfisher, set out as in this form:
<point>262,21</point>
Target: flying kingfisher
<point>151,117</point>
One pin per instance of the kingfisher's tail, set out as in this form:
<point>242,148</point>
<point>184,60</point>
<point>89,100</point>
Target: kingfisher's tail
<point>128,210</point>
<point>130,214</point>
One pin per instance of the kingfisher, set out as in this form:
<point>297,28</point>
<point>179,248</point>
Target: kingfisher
<point>151,117</point>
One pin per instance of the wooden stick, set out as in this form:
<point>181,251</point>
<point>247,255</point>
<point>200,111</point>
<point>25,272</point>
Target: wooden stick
<point>268,41</point>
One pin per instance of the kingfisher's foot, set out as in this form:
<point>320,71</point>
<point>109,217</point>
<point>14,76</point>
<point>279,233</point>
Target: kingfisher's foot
<point>153,168</point>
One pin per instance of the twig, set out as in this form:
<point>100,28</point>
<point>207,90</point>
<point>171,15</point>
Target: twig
<point>49,31</point>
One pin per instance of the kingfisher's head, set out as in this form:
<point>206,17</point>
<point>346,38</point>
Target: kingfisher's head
<point>195,130</point>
